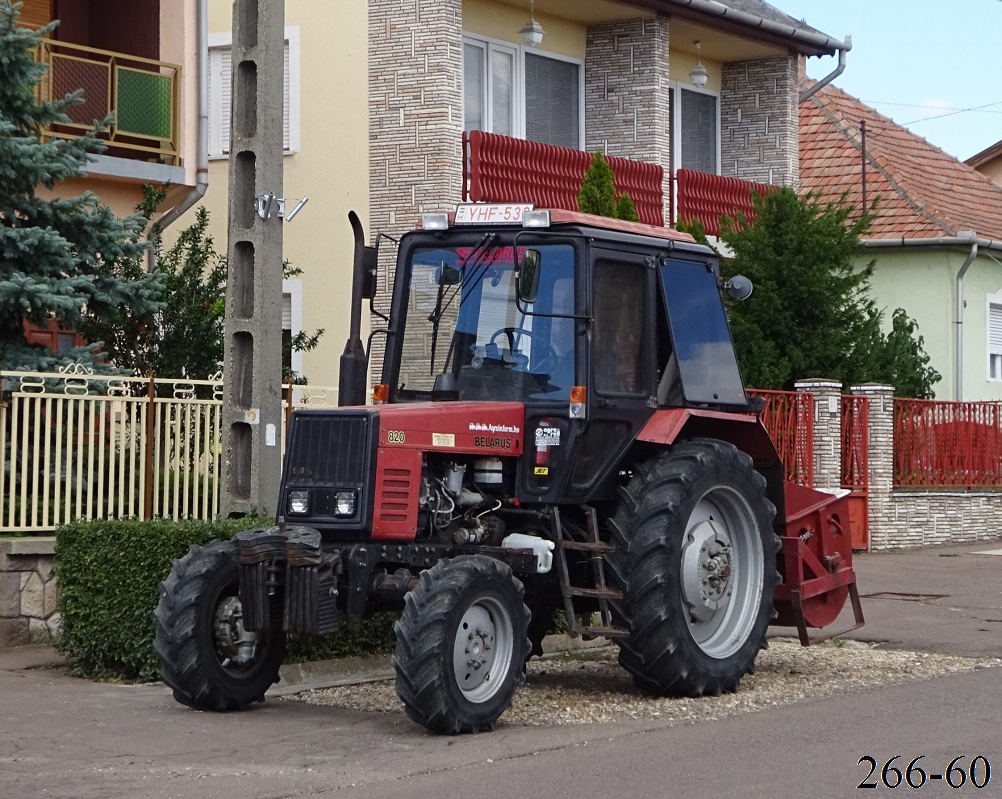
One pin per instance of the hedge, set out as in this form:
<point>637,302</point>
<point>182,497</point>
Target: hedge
<point>108,575</point>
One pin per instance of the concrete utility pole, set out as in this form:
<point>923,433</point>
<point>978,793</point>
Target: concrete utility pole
<point>252,405</point>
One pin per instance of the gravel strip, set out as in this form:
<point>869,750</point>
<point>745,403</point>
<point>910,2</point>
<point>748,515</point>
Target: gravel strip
<point>588,686</point>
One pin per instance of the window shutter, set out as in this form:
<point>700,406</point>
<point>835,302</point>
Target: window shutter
<point>35,13</point>
<point>285,102</point>
<point>698,145</point>
<point>502,91</point>
<point>221,64</point>
<point>473,87</point>
<point>552,114</point>
<point>286,312</point>
<point>995,328</point>
<point>225,97</point>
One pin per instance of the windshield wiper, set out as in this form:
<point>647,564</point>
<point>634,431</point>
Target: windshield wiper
<point>435,317</point>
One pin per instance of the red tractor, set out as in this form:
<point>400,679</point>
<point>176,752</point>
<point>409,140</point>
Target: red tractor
<point>560,425</point>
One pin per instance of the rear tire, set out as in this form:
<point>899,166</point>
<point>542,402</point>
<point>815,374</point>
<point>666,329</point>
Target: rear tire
<point>461,645</point>
<point>696,561</point>
<point>205,654</point>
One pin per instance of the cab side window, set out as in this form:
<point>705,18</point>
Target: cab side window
<point>618,330</point>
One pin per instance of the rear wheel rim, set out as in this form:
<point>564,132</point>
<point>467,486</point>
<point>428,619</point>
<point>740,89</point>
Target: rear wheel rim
<point>722,572</point>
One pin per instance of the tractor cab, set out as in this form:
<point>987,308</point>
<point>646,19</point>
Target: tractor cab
<point>558,309</point>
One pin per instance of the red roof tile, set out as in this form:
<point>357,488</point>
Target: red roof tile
<point>923,192</point>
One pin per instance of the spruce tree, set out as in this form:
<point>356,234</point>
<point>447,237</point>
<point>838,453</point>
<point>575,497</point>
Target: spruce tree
<point>812,314</point>
<point>66,258</point>
<point>598,192</point>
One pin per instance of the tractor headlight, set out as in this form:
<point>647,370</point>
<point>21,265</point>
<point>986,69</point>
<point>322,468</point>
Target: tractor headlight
<point>298,503</point>
<point>344,503</point>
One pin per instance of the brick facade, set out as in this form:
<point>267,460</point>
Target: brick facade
<point>415,121</point>
<point>627,92</point>
<point>827,432</point>
<point>759,121</point>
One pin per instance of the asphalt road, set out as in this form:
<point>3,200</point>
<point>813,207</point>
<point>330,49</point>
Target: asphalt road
<point>65,737</point>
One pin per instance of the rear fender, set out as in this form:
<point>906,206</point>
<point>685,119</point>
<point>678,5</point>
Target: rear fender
<point>744,430</point>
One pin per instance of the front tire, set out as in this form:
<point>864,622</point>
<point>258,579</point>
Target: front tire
<point>696,562</point>
<point>206,656</point>
<point>461,645</point>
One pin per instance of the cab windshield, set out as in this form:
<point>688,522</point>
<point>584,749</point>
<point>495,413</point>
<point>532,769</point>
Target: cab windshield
<point>462,319</point>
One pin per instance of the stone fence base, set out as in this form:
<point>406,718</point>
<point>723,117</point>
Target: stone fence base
<point>27,591</point>
<point>923,519</point>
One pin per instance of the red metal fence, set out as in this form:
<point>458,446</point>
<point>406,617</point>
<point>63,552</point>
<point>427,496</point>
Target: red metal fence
<point>855,473</point>
<point>947,443</point>
<point>855,442</point>
<point>707,197</point>
<point>504,169</point>
<point>789,418</point>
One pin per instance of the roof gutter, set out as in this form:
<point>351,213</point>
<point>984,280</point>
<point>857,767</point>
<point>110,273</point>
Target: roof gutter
<point>809,92</point>
<point>964,239</point>
<point>819,41</point>
<point>202,163</point>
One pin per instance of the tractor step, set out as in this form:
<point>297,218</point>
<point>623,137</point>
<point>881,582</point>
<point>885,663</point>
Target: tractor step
<point>594,593</point>
<point>604,632</point>
<point>600,548</point>
<point>571,537</point>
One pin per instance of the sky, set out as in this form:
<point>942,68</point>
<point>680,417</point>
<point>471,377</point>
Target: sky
<point>934,66</point>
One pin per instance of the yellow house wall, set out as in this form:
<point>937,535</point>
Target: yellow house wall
<point>504,22</point>
<point>330,166</point>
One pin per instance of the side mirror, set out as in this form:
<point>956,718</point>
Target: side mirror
<point>527,276</point>
<point>370,257</point>
<point>447,276</point>
<point>738,288</point>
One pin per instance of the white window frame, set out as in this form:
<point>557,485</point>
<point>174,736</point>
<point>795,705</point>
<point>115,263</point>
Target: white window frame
<point>518,89</point>
<point>676,88</point>
<point>219,42</point>
<point>993,302</point>
<point>293,289</point>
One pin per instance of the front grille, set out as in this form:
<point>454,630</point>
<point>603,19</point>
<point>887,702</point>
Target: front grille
<point>329,449</point>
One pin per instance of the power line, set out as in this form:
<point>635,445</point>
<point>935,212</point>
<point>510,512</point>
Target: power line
<point>924,105</point>
<point>953,113</point>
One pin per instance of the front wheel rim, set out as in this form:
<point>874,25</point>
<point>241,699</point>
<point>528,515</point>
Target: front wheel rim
<point>722,572</point>
<point>236,648</point>
<point>482,651</point>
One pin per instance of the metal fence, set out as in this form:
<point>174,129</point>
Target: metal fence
<point>789,418</point>
<point>140,94</point>
<point>953,444</point>
<point>75,445</point>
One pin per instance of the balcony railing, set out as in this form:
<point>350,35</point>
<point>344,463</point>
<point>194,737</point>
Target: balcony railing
<point>709,197</point>
<point>140,94</point>
<point>504,169</point>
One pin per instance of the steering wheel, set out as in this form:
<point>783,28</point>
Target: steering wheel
<point>544,363</point>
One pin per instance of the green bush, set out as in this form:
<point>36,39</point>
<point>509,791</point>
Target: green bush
<point>108,577</point>
<point>375,637</point>
<point>108,573</point>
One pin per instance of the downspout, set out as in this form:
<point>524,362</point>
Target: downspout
<point>202,167</point>
<point>959,371</point>
<point>818,85</point>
